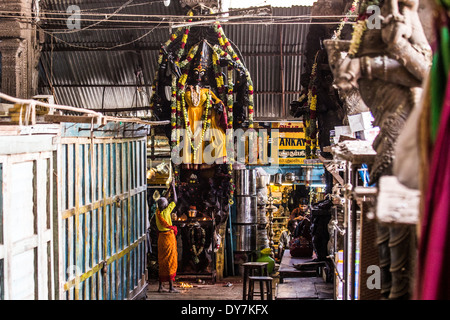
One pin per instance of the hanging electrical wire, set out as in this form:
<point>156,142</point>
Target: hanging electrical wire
<point>100,48</point>
<point>149,3</point>
<point>172,19</point>
<point>101,21</point>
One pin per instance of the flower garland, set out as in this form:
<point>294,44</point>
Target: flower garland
<point>218,76</point>
<point>360,27</point>
<point>191,54</point>
<point>229,98</point>
<point>358,31</point>
<point>172,38</point>
<point>310,121</point>
<point>196,251</point>
<point>184,65</point>
<point>337,32</point>
<point>313,124</point>
<point>230,102</point>
<point>183,44</point>
<point>206,120</point>
<point>173,104</point>
<point>228,50</point>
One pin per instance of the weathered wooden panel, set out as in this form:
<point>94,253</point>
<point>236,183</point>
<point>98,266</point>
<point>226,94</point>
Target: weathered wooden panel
<point>73,213</point>
<point>26,236</point>
<point>103,215</point>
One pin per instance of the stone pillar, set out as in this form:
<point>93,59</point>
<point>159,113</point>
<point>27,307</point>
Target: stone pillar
<point>20,46</point>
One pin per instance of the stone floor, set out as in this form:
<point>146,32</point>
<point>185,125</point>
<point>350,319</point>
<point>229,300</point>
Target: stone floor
<point>230,288</point>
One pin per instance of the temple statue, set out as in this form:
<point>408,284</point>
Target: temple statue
<point>203,87</point>
<point>388,64</point>
<point>206,116</point>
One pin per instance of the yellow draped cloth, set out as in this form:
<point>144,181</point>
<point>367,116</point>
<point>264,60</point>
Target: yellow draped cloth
<point>195,113</point>
<point>167,244</point>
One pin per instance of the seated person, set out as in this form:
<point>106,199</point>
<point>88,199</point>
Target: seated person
<point>300,212</point>
<point>286,237</point>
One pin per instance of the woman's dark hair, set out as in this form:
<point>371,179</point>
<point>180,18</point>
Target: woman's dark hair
<point>303,201</point>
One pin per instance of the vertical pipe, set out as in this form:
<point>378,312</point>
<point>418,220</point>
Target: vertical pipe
<point>94,285</point>
<point>336,253</point>
<point>102,158</point>
<point>347,237</point>
<point>77,226</point>
<point>353,234</point>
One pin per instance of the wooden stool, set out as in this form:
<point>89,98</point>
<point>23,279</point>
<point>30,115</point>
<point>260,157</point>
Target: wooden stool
<point>261,279</point>
<point>249,267</point>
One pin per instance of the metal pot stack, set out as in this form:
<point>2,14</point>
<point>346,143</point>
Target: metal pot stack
<point>262,180</point>
<point>245,223</point>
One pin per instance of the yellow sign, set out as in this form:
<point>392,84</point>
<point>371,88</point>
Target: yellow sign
<point>292,144</point>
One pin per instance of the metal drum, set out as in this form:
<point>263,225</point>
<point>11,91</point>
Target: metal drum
<point>262,181</point>
<point>245,237</point>
<point>245,181</point>
<point>246,209</point>
<point>278,179</point>
<point>252,182</point>
<point>241,182</point>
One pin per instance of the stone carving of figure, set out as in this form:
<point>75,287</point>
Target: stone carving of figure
<point>389,67</point>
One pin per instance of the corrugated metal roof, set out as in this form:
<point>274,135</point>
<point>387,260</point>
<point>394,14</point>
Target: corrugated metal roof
<point>105,78</point>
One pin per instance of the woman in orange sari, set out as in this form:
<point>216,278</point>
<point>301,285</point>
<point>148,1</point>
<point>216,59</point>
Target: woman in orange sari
<point>167,243</point>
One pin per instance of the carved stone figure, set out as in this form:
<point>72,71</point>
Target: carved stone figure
<point>351,98</point>
<point>388,69</point>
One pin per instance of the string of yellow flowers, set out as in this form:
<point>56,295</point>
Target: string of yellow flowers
<point>183,40</point>
<point>357,34</point>
<point>230,102</point>
<point>360,27</point>
<point>218,76</point>
<point>172,38</point>
<point>310,119</point>
<point>191,54</point>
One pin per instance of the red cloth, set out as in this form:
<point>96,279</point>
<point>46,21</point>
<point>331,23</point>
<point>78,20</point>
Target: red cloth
<point>434,247</point>
<point>174,229</point>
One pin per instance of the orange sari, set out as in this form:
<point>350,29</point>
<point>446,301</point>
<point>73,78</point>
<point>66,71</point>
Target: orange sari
<point>167,244</point>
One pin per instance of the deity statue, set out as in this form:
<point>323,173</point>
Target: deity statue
<point>388,64</point>
<point>205,114</point>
